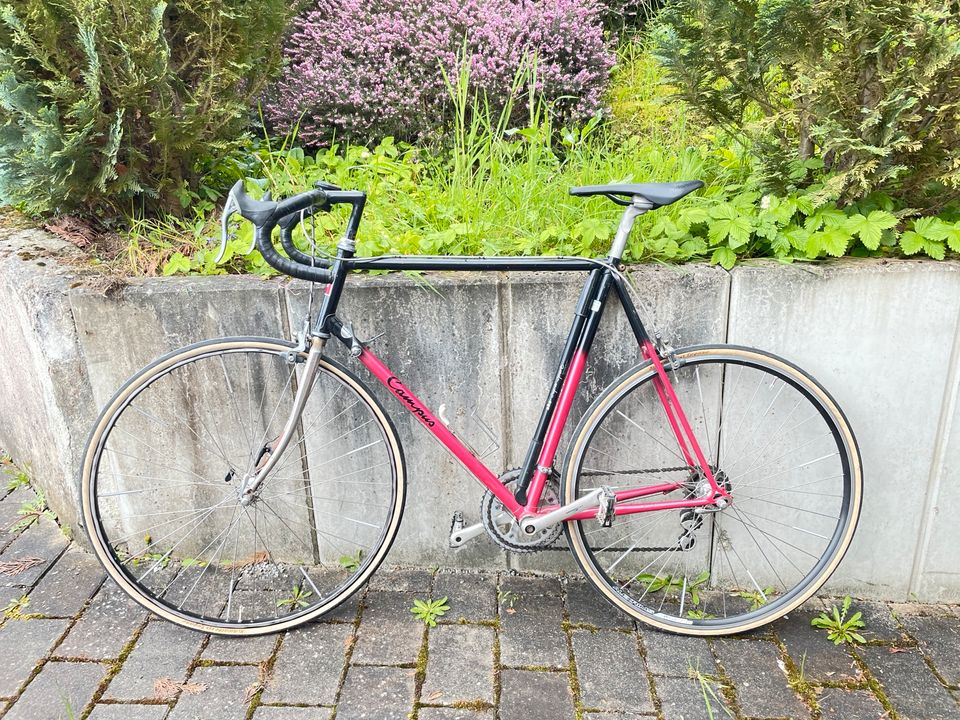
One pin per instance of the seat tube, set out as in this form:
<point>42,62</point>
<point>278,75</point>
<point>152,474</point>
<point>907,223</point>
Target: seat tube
<point>568,392</point>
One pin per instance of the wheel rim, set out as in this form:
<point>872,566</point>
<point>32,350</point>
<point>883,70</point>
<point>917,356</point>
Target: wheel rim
<point>788,459</point>
<point>164,479</point>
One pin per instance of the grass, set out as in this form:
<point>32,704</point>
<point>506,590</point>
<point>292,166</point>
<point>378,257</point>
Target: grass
<point>497,187</point>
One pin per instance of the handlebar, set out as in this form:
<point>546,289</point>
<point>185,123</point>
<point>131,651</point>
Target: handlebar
<point>266,214</point>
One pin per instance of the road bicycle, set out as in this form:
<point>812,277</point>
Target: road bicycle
<point>246,485</point>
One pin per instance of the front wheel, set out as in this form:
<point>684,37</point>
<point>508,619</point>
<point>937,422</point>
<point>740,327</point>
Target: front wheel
<point>163,475</point>
<point>774,439</point>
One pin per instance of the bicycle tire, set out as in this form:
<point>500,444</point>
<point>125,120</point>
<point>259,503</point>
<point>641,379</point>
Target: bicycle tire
<point>278,585</point>
<point>747,601</point>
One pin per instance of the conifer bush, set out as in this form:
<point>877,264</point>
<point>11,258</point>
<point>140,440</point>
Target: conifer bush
<point>368,69</point>
<point>864,93</point>
<point>112,104</point>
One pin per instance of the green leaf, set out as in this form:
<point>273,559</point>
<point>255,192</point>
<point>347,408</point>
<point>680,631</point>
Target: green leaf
<point>870,228</point>
<point>934,249</point>
<point>178,263</point>
<point>725,257</point>
<point>911,242</point>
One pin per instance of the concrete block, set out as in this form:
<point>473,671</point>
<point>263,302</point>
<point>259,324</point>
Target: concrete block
<point>45,403</point>
<point>879,336</point>
<point>444,343</point>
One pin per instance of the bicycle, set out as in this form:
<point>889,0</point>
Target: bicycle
<point>708,490</point>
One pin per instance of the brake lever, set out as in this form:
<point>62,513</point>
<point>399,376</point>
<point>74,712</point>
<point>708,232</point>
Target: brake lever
<point>229,208</point>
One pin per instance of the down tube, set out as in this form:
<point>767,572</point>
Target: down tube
<point>432,423</point>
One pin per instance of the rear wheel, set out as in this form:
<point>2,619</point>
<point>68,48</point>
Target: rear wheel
<point>776,441</point>
<point>164,467</point>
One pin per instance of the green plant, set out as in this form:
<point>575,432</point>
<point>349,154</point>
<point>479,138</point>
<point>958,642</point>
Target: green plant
<point>674,585</point>
<point>17,476</point>
<point>31,511</point>
<point>429,610</point>
<point>843,92</point>
<point>707,691</point>
<point>107,103</point>
<point>507,598</point>
<point>757,598</point>
<point>298,598</point>
<point>839,627</point>
<point>14,609</point>
<point>351,563</point>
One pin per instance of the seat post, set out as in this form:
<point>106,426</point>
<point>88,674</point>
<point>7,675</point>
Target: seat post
<point>635,209</point>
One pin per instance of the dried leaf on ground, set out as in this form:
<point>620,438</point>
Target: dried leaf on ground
<point>166,688</point>
<point>74,230</point>
<point>15,567</point>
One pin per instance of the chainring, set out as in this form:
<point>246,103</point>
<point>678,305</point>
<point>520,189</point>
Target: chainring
<point>502,526</point>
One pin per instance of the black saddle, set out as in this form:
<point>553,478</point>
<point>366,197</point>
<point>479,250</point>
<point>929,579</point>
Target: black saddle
<point>657,194</point>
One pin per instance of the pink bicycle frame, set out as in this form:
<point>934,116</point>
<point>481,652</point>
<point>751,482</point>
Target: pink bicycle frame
<point>568,380</point>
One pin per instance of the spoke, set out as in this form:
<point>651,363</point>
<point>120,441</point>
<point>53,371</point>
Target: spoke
<point>757,543</point>
<point>703,409</point>
<point>214,452</point>
<point>632,422</point>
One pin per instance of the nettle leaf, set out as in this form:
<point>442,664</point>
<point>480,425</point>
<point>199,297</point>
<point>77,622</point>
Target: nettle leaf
<point>911,242</point>
<point>870,228</point>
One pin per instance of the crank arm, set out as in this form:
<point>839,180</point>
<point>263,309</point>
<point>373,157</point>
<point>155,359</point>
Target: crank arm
<point>534,525</point>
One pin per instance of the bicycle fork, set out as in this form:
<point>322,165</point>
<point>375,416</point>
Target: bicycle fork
<point>255,476</point>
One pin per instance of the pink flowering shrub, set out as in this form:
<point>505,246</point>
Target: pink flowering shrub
<point>367,69</point>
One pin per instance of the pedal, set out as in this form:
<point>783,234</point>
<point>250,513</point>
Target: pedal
<point>605,513</point>
<point>460,534</point>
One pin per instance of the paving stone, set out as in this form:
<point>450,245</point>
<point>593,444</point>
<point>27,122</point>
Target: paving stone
<point>471,596</point>
<point>60,689</point>
<point>68,585</point>
<point>444,713</point>
<point>585,606</point>
<point>225,697</point>
<point>530,585</point>
<point>611,672</point>
<point>880,622</point>
<point>531,635</point>
<point>685,699</point>
<point>267,712</point>
<point>23,643</point>
<point>838,704</point>
<point>42,539</point>
<point>308,666</point>
<point>403,580</point>
<point>105,626</point>
<point>617,716</point>
<point>528,695</point>
<point>754,668</point>
<point>460,664</point>
<point>389,634</point>
<point>164,650</point>
<point>376,693</point>
<point>909,685</point>
<point>810,649</point>
<point>251,650</point>
<point>10,515</point>
<point>128,712</point>
<point>939,638</point>
<point>676,655</point>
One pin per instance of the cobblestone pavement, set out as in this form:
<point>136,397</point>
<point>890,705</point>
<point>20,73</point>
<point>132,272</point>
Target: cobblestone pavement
<point>511,647</point>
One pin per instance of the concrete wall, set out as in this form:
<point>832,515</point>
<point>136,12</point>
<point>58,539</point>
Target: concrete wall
<point>884,337</point>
